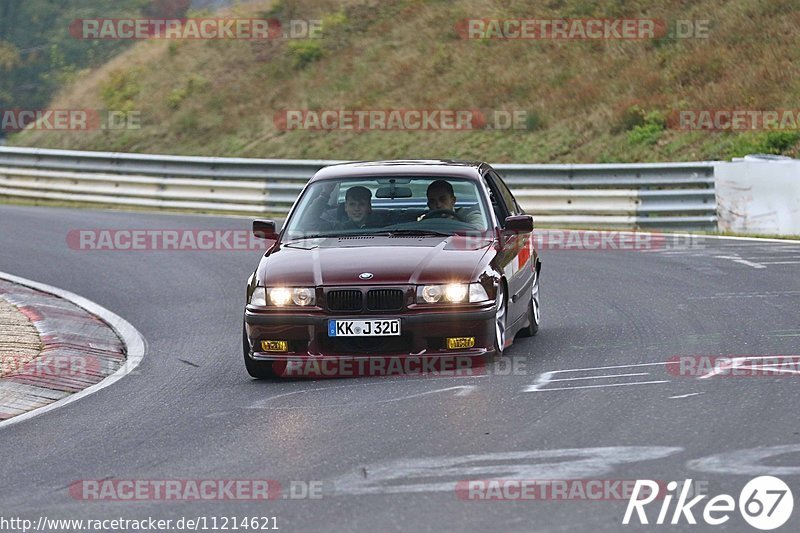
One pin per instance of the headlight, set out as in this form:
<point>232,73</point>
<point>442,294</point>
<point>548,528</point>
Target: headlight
<point>282,296</point>
<point>452,293</point>
<point>431,293</point>
<point>259,297</point>
<point>477,293</point>
<point>456,292</point>
<point>303,296</point>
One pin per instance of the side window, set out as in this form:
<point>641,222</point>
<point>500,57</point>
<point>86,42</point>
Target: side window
<point>508,198</point>
<point>503,202</point>
<point>499,212</point>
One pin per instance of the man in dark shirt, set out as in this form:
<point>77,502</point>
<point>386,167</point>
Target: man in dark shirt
<point>441,196</point>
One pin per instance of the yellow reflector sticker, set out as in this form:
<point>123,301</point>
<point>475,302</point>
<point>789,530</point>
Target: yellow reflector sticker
<point>460,342</point>
<point>275,346</point>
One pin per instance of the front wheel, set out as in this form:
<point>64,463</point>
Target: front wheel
<point>256,369</point>
<point>534,314</point>
<point>500,321</point>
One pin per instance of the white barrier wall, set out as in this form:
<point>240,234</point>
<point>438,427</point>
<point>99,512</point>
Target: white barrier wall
<point>759,196</point>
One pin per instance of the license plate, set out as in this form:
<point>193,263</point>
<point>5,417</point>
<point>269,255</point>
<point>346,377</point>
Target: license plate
<point>364,328</point>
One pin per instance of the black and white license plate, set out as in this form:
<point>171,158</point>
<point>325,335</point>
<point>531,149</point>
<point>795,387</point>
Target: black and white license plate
<point>364,328</point>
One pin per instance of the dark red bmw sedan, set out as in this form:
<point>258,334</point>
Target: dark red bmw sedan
<point>393,259</point>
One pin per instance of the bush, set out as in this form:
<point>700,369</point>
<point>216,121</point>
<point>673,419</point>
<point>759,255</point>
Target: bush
<point>628,119</point>
<point>534,121</point>
<point>650,130</point>
<point>770,142</point>
<point>9,56</point>
<point>177,96</point>
<point>119,90</point>
<point>335,30</point>
<point>305,52</point>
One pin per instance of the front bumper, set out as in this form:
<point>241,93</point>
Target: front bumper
<point>423,333</point>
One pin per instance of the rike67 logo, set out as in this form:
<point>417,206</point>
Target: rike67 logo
<point>765,502</point>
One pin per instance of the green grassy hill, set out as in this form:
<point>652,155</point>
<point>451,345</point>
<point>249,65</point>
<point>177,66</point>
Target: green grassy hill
<point>585,101</point>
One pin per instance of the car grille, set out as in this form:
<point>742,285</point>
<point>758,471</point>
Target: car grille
<point>352,300</point>
<point>345,300</point>
<point>385,300</point>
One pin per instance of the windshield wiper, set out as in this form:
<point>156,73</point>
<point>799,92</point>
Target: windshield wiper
<point>418,232</point>
<point>379,233</point>
<point>306,237</point>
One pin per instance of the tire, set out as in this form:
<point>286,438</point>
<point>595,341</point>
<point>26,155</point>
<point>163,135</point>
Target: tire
<point>534,312</point>
<point>256,369</point>
<point>500,321</point>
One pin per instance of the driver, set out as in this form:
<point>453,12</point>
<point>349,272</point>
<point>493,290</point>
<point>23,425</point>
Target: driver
<point>441,197</point>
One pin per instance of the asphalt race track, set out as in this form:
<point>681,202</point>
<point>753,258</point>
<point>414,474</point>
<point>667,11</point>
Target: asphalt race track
<point>388,452</point>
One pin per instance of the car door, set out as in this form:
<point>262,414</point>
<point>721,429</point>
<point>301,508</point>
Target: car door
<point>515,254</point>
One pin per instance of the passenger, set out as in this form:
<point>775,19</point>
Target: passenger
<point>441,196</point>
<point>357,208</point>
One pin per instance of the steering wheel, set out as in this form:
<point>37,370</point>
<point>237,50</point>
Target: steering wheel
<point>438,213</point>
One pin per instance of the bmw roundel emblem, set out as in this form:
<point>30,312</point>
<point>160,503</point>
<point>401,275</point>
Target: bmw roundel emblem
<point>365,275</point>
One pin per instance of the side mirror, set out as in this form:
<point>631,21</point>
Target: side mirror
<point>265,229</point>
<point>519,224</point>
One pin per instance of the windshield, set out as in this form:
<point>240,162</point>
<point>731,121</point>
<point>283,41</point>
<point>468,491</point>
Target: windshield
<point>389,205</point>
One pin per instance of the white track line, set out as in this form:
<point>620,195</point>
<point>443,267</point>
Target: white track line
<point>686,395</point>
<point>598,386</point>
<point>463,390</point>
<point>693,235</point>
<point>603,376</point>
<point>617,366</point>
<point>133,340</point>
<point>737,259</point>
<point>546,378</point>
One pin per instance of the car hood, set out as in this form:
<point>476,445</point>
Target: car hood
<point>391,260</point>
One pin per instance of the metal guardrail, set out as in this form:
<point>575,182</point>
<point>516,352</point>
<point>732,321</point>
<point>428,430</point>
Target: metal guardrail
<point>648,195</point>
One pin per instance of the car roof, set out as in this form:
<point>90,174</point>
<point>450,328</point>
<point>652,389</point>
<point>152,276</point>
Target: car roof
<point>401,167</point>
